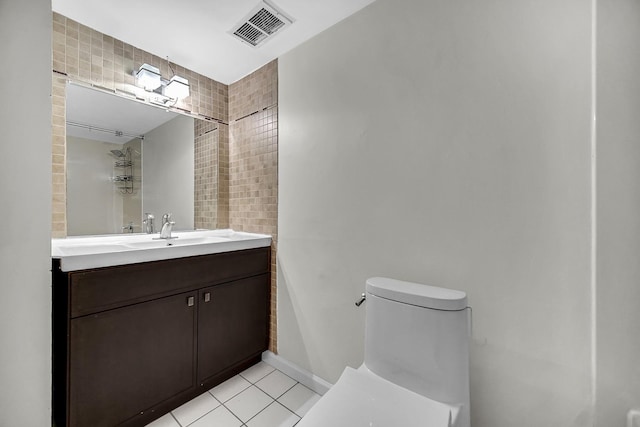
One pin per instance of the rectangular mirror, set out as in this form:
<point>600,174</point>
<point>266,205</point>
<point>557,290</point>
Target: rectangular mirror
<point>125,158</point>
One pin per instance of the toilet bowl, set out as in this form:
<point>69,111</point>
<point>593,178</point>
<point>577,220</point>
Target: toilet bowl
<point>416,368</point>
<point>362,399</point>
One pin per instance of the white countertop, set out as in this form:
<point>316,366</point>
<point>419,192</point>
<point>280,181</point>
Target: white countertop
<point>85,252</point>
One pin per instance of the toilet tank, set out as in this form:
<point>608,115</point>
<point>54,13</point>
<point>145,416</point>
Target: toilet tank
<point>417,336</point>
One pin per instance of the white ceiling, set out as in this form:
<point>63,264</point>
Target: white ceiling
<point>194,33</point>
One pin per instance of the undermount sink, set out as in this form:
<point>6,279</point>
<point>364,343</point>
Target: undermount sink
<point>76,253</point>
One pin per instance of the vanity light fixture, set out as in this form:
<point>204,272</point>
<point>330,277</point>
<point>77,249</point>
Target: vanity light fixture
<point>178,87</point>
<point>171,90</point>
<point>149,77</point>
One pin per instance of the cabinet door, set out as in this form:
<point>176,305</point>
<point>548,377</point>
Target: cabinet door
<point>124,361</point>
<point>233,321</point>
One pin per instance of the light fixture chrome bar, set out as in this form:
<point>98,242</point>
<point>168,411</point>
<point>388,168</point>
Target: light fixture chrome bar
<point>117,133</point>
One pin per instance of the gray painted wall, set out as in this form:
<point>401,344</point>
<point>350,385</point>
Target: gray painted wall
<point>448,143</point>
<point>618,193</point>
<point>25,191</point>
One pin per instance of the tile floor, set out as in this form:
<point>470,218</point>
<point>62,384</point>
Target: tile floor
<point>261,396</point>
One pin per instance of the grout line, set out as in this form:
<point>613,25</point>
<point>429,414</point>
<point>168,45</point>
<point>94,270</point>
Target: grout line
<point>233,413</point>
<point>294,412</point>
<point>298,415</point>
<point>288,390</point>
<point>174,417</point>
<point>221,402</point>
<point>273,403</point>
<point>282,394</point>
<point>262,377</point>
<point>262,410</point>
<point>203,415</point>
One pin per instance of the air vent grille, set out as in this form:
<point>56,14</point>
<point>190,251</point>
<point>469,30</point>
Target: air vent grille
<point>266,21</point>
<point>263,22</point>
<point>250,34</point>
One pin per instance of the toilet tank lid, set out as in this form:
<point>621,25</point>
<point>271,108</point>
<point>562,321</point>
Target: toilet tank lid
<point>417,294</point>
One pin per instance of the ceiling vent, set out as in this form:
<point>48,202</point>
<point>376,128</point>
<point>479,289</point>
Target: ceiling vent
<point>261,24</point>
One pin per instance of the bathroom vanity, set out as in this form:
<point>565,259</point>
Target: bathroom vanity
<point>132,341</point>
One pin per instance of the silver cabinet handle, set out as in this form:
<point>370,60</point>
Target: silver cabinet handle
<point>207,296</point>
<point>191,301</point>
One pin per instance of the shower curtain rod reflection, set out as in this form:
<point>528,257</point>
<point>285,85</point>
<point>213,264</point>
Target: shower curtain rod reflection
<point>117,133</point>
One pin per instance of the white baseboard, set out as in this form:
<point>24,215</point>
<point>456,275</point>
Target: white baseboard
<point>303,376</point>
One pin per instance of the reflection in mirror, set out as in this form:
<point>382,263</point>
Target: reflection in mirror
<point>125,158</point>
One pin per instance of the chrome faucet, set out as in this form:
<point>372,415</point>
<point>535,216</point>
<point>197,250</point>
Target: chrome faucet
<point>148,223</point>
<point>167,225</point>
<point>128,228</point>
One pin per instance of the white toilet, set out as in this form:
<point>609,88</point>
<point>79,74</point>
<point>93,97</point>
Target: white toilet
<point>416,362</point>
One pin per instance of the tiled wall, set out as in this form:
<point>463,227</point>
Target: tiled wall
<point>58,157</point>
<point>255,92</point>
<point>205,172</point>
<point>86,55</point>
<point>223,176</point>
<point>253,162</point>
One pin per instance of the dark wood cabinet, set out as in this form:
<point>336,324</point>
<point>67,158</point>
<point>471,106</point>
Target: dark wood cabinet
<point>127,360</point>
<point>133,342</point>
<point>231,324</point>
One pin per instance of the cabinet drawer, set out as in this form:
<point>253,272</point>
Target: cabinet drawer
<point>107,288</point>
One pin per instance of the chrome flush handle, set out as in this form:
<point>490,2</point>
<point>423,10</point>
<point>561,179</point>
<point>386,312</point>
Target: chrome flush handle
<point>362,299</point>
